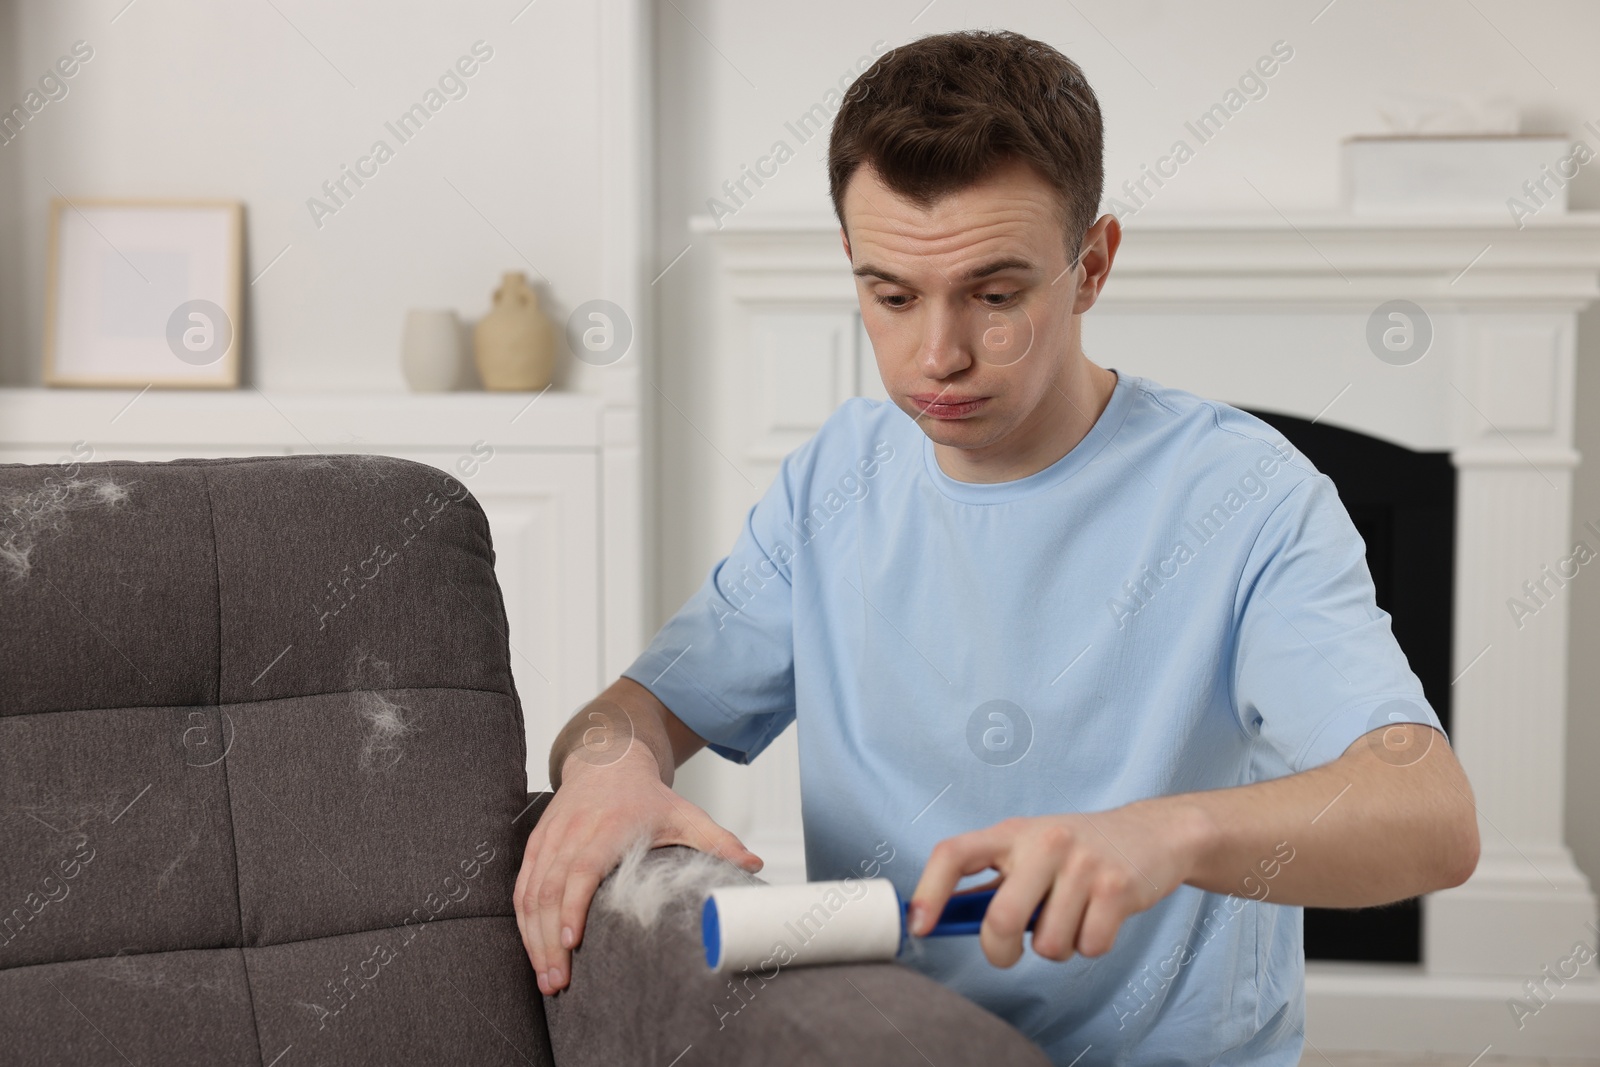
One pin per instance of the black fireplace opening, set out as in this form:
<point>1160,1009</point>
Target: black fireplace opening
<point>1403,504</point>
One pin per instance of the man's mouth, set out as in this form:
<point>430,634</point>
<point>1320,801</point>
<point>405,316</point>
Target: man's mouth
<point>946,406</point>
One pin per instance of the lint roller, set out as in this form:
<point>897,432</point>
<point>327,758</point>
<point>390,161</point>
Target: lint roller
<point>754,927</point>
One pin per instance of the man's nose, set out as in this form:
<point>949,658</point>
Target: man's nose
<point>946,346</point>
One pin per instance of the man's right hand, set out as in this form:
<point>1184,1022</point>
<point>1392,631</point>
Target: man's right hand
<point>597,812</point>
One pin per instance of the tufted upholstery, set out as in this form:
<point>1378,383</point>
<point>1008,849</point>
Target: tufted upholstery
<point>261,769</point>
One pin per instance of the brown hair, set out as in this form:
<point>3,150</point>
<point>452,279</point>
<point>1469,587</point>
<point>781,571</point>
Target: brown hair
<point>936,115</point>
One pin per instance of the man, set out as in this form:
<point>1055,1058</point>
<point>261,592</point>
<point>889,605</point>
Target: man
<point>1114,642</point>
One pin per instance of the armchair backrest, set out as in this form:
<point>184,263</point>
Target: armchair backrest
<point>262,779</point>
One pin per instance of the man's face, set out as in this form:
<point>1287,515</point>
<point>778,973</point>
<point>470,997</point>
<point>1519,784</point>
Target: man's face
<point>971,304</point>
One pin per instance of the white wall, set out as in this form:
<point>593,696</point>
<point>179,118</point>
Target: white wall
<point>730,76</point>
<point>184,98</point>
<point>13,318</point>
<point>187,98</point>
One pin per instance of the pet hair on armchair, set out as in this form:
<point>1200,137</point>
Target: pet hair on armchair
<point>387,726</point>
<point>25,516</point>
<point>387,723</point>
<point>645,884</point>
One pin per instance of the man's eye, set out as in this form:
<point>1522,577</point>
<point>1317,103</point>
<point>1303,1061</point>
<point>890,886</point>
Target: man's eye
<point>887,301</point>
<point>998,299</point>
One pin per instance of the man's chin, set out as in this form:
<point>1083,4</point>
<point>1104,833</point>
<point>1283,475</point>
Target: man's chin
<point>974,431</point>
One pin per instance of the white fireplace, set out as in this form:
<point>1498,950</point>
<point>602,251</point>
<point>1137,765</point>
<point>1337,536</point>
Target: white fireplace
<point>1272,315</point>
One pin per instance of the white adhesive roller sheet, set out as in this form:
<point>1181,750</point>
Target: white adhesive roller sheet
<point>759,927</point>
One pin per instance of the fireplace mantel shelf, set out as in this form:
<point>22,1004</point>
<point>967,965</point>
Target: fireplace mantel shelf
<point>1330,259</point>
<point>1230,221</point>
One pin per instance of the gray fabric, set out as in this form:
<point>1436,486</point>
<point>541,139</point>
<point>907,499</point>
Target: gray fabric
<point>125,589</point>
<point>647,998</point>
<point>242,809</point>
<point>109,842</point>
<point>327,845</point>
<point>430,994</point>
<point>156,1008</point>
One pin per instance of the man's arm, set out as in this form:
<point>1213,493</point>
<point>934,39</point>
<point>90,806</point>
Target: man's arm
<point>613,767</point>
<point>1368,828</point>
<point>625,713</point>
<point>1372,827</point>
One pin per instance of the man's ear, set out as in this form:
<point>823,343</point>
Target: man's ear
<point>1099,250</point>
<point>844,239</point>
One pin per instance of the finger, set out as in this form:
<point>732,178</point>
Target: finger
<point>1110,902</point>
<point>585,867</point>
<point>550,893</point>
<point>520,905</point>
<point>691,826</point>
<point>730,848</point>
<point>545,887</point>
<point>581,885</point>
<point>950,860</point>
<point>703,835</point>
<point>533,935</point>
<point>1006,919</point>
<point>1055,935</point>
<point>535,860</point>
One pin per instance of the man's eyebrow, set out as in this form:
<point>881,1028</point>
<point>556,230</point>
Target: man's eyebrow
<point>867,270</point>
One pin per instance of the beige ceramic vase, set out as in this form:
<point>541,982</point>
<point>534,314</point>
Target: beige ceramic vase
<point>514,345</point>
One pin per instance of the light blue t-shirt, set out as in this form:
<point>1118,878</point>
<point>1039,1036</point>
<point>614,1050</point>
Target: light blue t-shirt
<point>1179,603</point>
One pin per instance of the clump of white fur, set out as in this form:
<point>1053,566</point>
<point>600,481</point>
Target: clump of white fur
<point>26,515</point>
<point>110,492</point>
<point>643,890</point>
<point>387,722</point>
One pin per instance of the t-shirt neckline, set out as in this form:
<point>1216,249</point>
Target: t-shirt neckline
<point>1080,454</point>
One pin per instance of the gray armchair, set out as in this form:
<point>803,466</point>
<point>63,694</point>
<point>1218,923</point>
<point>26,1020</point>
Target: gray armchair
<point>262,800</point>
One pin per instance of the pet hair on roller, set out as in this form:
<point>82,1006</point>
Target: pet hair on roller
<point>751,927</point>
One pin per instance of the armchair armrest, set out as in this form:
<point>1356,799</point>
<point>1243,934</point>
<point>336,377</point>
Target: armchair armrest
<point>645,995</point>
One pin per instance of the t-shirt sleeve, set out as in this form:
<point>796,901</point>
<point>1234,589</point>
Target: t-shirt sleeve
<point>724,664</point>
<point>1315,664</point>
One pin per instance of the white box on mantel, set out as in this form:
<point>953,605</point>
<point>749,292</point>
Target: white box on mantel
<point>1460,173</point>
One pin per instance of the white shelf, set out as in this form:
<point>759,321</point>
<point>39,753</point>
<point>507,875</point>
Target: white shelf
<point>276,422</point>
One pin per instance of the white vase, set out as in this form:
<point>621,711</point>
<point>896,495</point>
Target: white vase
<point>432,354</point>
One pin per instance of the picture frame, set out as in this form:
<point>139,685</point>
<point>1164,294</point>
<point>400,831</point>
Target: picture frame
<point>144,292</point>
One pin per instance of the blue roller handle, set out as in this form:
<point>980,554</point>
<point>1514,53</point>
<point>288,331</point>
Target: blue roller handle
<point>963,914</point>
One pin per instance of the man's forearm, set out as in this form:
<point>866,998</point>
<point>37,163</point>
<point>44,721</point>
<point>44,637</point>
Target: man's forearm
<point>623,719</point>
<point>606,729</point>
<point>1358,831</point>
